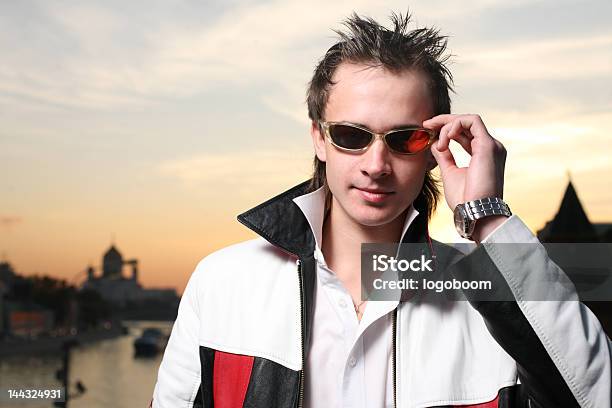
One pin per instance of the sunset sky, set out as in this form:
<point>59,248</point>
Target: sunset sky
<point>116,117</point>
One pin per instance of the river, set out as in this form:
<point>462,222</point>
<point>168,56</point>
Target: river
<point>111,374</point>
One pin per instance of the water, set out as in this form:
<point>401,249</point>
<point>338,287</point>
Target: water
<point>108,369</point>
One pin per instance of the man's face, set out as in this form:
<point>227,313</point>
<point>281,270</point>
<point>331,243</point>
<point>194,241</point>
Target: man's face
<point>381,101</point>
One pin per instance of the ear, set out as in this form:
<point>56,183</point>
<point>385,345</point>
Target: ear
<point>318,140</point>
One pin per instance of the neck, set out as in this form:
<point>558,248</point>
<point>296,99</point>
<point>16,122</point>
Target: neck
<point>342,239</point>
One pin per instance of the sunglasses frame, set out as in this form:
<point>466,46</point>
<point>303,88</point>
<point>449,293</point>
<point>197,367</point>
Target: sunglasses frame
<point>383,136</point>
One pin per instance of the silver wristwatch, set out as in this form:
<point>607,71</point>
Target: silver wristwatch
<point>467,214</point>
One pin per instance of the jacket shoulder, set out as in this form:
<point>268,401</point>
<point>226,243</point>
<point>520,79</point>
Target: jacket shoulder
<point>256,247</point>
<point>255,253</point>
<point>247,298</point>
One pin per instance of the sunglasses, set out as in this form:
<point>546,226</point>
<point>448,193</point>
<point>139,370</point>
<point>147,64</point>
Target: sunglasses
<point>355,138</point>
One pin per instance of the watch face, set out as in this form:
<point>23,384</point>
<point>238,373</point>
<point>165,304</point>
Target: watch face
<point>460,219</point>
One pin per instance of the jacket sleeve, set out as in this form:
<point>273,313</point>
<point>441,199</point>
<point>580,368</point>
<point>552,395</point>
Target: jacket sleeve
<point>561,350</point>
<point>178,379</point>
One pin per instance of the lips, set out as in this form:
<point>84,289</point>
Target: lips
<point>374,195</point>
<point>374,190</point>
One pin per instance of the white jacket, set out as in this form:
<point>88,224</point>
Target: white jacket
<point>242,330</point>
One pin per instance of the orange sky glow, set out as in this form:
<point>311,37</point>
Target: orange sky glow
<point>146,128</point>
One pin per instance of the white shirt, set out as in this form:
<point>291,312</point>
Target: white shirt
<point>349,361</point>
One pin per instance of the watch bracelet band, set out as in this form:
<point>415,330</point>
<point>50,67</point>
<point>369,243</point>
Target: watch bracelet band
<point>485,207</point>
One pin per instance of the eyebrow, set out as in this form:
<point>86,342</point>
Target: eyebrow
<point>401,126</point>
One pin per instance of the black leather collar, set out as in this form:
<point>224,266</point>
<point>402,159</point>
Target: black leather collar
<point>281,222</point>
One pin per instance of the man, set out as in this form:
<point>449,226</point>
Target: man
<point>278,321</point>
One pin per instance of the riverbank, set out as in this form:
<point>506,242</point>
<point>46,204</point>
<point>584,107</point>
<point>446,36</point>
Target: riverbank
<point>11,347</point>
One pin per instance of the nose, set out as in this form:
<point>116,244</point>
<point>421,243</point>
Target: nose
<point>376,161</point>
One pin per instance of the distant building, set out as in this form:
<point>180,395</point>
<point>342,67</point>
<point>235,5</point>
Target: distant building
<point>571,223</point>
<point>3,291</point>
<point>17,317</point>
<point>7,278</point>
<point>7,274</point>
<point>28,320</point>
<point>116,288</point>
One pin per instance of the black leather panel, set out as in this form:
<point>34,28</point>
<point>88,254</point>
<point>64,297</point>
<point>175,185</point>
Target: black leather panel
<point>272,385</point>
<point>541,379</point>
<point>308,281</point>
<point>207,363</point>
<point>197,402</point>
<point>417,231</point>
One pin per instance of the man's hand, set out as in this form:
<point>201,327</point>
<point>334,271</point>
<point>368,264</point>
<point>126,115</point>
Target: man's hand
<point>484,177</point>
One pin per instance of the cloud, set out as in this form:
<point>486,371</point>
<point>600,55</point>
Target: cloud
<point>9,221</point>
<point>110,55</point>
<point>560,59</point>
<point>240,172</point>
<point>549,150</point>
<point>95,56</point>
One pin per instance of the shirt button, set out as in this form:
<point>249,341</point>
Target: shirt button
<point>342,303</point>
<point>352,361</point>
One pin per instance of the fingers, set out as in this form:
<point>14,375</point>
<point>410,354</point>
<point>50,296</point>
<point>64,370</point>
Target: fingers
<point>444,158</point>
<point>467,130</point>
<point>438,121</point>
<point>455,131</point>
<point>471,123</point>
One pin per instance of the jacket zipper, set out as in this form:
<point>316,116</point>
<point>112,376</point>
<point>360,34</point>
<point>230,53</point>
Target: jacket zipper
<point>393,346</point>
<point>302,318</point>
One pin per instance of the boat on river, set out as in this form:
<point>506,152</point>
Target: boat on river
<point>151,342</point>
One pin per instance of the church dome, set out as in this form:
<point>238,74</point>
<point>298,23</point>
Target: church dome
<point>112,263</point>
<point>113,253</point>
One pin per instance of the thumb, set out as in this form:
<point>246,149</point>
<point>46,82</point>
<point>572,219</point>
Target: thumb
<point>445,159</point>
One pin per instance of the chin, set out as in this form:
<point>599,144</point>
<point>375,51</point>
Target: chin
<point>373,217</point>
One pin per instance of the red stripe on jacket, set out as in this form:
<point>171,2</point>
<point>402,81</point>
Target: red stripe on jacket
<point>490,404</point>
<point>231,375</point>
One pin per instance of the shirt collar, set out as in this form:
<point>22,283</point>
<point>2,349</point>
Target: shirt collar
<point>313,206</point>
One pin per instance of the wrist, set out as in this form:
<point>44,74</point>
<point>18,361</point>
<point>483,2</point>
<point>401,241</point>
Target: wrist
<point>486,226</point>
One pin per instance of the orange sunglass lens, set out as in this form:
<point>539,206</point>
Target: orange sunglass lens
<point>417,142</point>
<point>408,141</point>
